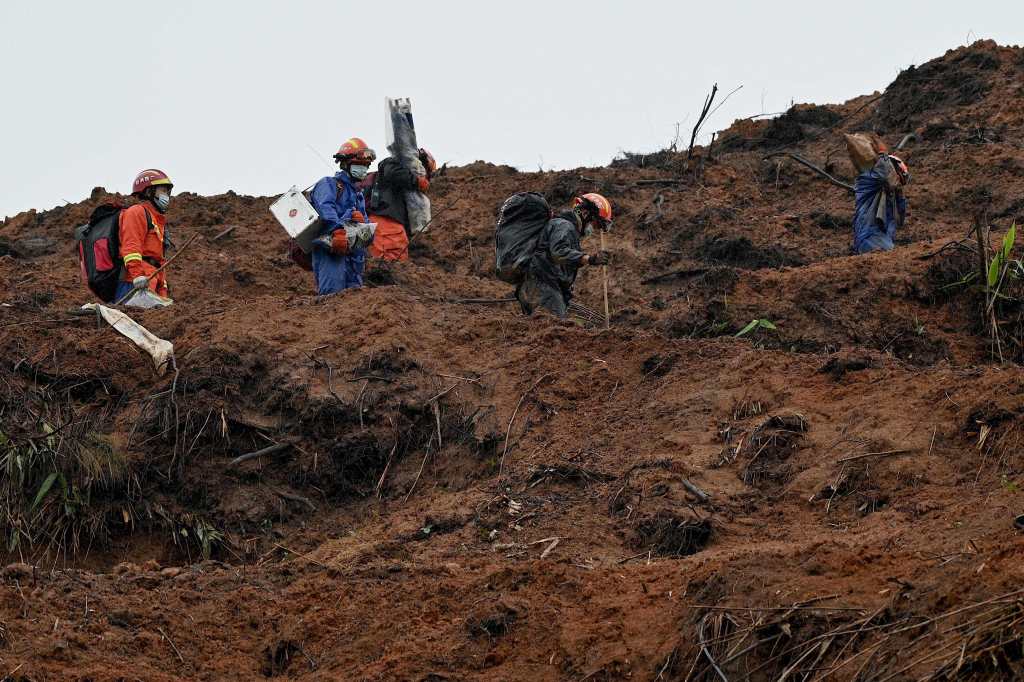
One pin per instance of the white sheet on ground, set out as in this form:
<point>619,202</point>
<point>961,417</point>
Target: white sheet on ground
<point>160,350</point>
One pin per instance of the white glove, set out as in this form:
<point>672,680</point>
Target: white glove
<point>140,282</point>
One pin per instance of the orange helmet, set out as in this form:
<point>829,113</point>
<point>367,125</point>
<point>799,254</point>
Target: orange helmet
<point>597,204</point>
<point>354,149</point>
<point>149,178</point>
<point>428,161</point>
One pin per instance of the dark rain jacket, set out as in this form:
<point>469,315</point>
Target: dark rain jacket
<point>559,254</point>
<point>385,194</point>
<point>552,269</point>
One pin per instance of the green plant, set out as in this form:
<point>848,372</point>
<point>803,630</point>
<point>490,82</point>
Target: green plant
<point>54,480</point>
<point>755,324</point>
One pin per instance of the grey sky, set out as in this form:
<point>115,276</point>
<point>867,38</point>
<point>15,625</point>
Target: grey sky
<point>228,95</point>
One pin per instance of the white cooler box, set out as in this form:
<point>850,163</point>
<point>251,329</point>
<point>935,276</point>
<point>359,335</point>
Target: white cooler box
<point>298,217</point>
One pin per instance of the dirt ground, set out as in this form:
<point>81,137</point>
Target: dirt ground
<point>464,493</point>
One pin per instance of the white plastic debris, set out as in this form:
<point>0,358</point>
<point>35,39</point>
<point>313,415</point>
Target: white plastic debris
<point>159,349</point>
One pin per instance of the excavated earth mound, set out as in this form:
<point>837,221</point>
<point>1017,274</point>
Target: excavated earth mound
<point>448,490</point>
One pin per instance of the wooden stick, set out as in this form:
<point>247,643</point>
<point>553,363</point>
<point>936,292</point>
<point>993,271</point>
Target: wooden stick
<point>158,270</point>
<point>223,233</point>
<point>604,278</point>
<point>695,491</point>
<point>804,162</point>
<point>887,453</point>
<point>276,447</point>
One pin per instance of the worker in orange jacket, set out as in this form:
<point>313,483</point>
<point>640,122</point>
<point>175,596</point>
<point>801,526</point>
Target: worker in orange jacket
<point>142,233</point>
<point>385,200</point>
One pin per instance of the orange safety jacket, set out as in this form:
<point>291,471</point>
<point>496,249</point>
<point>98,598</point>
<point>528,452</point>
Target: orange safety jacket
<point>390,242</point>
<point>141,231</point>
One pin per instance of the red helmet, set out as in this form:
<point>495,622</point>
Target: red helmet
<point>354,149</point>
<point>149,178</point>
<point>597,203</point>
<point>428,161</point>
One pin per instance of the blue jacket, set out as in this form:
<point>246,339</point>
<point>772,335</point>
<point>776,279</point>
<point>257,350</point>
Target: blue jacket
<point>879,209</point>
<point>333,205</point>
<point>334,199</point>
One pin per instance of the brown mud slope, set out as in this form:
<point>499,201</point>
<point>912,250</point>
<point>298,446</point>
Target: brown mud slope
<point>462,493</point>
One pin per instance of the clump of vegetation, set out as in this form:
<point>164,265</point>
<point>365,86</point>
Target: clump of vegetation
<point>58,477</point>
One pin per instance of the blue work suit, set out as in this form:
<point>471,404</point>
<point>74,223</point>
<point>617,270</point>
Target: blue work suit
<point>334,199</point>
<point>879,208</point>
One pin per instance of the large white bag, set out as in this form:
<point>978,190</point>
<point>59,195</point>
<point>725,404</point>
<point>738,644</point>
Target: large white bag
<point>400,132</point>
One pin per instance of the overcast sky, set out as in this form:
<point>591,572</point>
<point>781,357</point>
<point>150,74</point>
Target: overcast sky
<point>232,95</point>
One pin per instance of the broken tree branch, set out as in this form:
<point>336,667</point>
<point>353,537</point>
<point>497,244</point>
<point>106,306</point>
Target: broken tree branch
<point>276,447</point>
<point>804,162</point>
<point>223,233</point>
<point>887,453</point>
<point>695,491</point>
<point>700,121</point>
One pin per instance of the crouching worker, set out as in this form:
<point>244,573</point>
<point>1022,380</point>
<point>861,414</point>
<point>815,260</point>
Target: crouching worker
<point>385,199</point>
<point>879,205</point>
<point>550,273</point>
<point>338,261</point>
<point>142,235</point>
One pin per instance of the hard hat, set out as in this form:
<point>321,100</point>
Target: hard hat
<point>428,161</point>
<point>355,149</point>
<point>150,178</point>
<point>598,203</point>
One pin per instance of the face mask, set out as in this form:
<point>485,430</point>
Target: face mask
<point>588,230</point>
<point>358,172</point>
<point>162,201</point>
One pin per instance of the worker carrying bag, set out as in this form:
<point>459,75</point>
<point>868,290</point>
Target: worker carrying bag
<point>99,247</point>
<point>520,222</point>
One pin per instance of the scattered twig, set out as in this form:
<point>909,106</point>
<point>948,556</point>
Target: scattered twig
<point>724,100</point>
<point>508,431</point>
<point>442,393</point>
<point>887,453</point>
<point>270,450</point>
<point>453,376</point>
<point>223,233</point>
<point>420,472</point>
<point>695,491</point>
<point>171,642</point>
<point>301,556</point>
<point>283,494</point>
<point>630,558</point>
<point>804,162</point>
<point>387,466</point>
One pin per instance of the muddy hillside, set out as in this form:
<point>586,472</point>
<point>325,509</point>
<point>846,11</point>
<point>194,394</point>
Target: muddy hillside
<point>780,461</point>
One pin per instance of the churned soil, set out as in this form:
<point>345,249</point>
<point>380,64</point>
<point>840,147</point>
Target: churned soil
<point>464,493</point>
